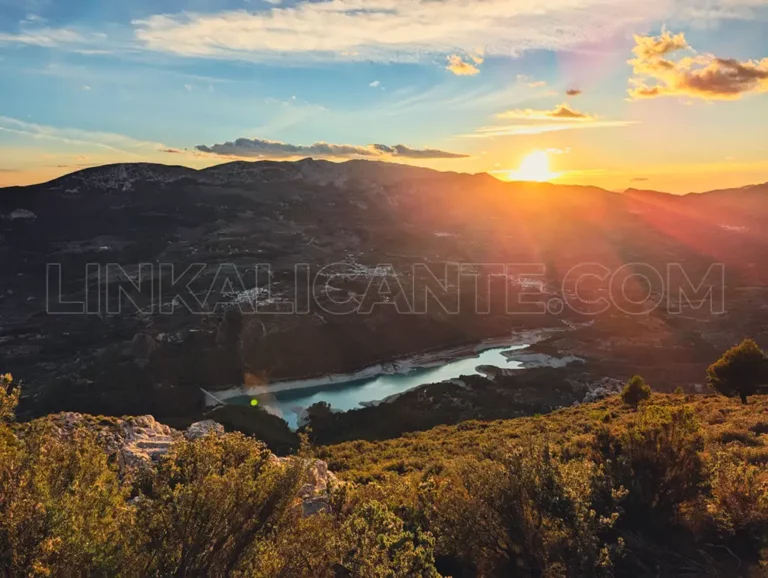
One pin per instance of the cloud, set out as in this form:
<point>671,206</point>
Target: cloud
<point>102,140</point>
<point>413,30</point>
<point>375,84</point>
<point>261,148</point>
<point>459,67</point>
<point>529,129</point>
<point>478,57</point>
<point>651,47</point>
<point>639,179</point>
<point>560,112</point>
<point>573,92</point>
<point>703,76</point>
<point>530,82</point>
<point>85,87</point>
<point>48,37</point>
<point>407,152</point>
<point>172,151</point>
<point>75,166</point>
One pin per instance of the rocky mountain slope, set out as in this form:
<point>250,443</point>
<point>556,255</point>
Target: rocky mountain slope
<point>319,236</point>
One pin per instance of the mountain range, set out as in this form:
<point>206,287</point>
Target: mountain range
<point>343,224</point>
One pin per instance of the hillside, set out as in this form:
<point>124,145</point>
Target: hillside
<point>727,426</point>
<point>677,487</point>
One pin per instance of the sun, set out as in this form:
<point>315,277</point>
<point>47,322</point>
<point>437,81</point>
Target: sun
<point>534,167</point>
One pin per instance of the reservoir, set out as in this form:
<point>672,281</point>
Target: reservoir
<point>343,396</point>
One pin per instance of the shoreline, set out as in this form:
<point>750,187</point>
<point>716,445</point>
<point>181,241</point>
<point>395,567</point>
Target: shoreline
<point>403,366</point>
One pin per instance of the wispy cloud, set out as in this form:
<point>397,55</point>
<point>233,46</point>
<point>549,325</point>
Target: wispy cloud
<point>402,151</point>
<point>262,148</point>
<point>560,112</point>
<point>49,37</point>
<point>109,141</point>
<point>363,29</point>
<point>528,129</point>
<point>703,76</point>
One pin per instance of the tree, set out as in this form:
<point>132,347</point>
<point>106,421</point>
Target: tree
<point>740,371</point>
<point>635,391</point>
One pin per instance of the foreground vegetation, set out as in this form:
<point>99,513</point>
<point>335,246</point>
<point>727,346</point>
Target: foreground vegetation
<point>641,484</point>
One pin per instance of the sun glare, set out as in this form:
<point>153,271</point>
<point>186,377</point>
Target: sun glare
<point>534,167</point>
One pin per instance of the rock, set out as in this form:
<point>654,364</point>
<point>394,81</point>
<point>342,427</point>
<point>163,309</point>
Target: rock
<point>203,428</point>
<point>135,441</point>
<point>144,441</point>
<point>315,494</point>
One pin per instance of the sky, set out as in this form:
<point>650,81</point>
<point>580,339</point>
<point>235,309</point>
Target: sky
<point>668,95</point>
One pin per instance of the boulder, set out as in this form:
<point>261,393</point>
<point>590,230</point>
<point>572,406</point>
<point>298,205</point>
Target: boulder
<point>203,428</point>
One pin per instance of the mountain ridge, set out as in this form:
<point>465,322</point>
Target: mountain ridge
<point>115,175</point>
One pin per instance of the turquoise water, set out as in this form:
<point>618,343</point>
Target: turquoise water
<point>349,395</point>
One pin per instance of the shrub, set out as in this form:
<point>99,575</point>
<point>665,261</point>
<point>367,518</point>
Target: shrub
<point>530,515</point>
<point>635,391</point>
<point>377,545</point>
<point>63,510</point>
<point>657,458</point>
<point>738,500</point>
<point>214,507</point>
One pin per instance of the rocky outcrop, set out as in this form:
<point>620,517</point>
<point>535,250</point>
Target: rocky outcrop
<point>133,441</point>
<point>601,388</point>
<point>136,442</point>
<point>315,494</point>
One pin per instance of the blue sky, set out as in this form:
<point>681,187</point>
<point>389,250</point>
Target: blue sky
<point>466,86</point>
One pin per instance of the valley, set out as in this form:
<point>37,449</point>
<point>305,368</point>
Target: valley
<point>246,275</point>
